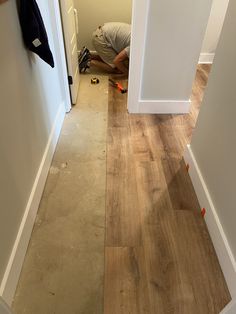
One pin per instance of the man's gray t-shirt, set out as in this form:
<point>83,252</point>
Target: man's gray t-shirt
<point>117,36</point>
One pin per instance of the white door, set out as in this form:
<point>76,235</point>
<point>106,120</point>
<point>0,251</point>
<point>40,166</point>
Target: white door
<point>70,35</point>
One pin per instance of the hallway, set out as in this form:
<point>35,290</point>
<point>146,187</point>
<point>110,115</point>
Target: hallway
<point>139,200</point>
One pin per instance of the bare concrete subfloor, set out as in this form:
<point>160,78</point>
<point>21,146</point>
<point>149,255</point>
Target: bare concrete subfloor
<point>64,266</point>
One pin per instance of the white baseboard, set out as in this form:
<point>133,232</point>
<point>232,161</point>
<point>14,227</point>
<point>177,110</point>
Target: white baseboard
<point>14,266</point>
<point>164,106</point>
<point>230,308</point>
<point>206,58</point>
<point>219,239</point>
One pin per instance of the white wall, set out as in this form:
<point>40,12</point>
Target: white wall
<point>214,143</point>
<point>31,96</point>
<point>94,13</point>
<point>215,24</point>
<point>174,38</point>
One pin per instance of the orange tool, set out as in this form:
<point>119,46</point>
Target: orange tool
<point>118,86</point>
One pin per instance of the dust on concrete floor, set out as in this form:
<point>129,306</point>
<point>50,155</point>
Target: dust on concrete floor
<point>64,267</point>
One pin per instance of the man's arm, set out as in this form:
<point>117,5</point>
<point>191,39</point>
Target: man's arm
<point>118,61</point>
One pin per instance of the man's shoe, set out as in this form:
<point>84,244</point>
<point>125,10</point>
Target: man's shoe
<point>84,59</point>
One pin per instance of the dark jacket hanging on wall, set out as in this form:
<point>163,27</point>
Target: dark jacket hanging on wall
<point>33,30</point>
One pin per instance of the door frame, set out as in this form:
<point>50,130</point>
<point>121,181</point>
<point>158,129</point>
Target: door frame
<point>69,48</point>
<point>140,9</point>
<point>61,53</point>
<point>138,35</point>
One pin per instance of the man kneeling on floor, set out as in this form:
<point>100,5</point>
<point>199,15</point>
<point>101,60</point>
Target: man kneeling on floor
<point>112,43</point>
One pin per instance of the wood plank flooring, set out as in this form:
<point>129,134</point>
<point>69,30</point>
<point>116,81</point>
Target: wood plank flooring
<point>159,258</point>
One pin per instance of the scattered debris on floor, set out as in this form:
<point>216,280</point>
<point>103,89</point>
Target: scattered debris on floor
<point>64,165</point>
<point>54,170</point>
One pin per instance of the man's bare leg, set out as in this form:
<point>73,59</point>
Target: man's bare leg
<point>103,66</point>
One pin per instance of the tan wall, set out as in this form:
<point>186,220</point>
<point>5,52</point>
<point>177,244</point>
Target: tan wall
<point>214,143</point>
<point>94,13</point>
<point>30,95</point>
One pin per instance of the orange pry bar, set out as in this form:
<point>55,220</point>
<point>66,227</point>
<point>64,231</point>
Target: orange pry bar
<point>118,86</point>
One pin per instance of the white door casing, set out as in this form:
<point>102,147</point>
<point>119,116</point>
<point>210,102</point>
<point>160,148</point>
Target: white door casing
<point>70,37</point>
<point>60,52</point>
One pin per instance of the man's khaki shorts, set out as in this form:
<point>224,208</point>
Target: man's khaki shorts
<point>104,51</point>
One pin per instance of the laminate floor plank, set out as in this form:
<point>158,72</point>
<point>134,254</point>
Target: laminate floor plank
<point>141,146</point>
<point>180,188</point>
<point>117,112</point>
<point>122,215</point>
<point>126,270</point>
<point>159,258</point>
<point>182,270</point>
<point>153,194</point>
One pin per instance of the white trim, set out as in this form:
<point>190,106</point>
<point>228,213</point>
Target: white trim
<point>137,49</point>
<point>164,106</point>
<point>61,53</point>
<point>218,236</point>
<point>230,308</point>
<point>4,308</point>
<point>13,269</point>
<point>138,39</point>
<point>206,58</point>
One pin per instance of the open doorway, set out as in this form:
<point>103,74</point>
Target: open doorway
<point>210,43</point>
<point>80,20</point>
<point>213,31</point>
